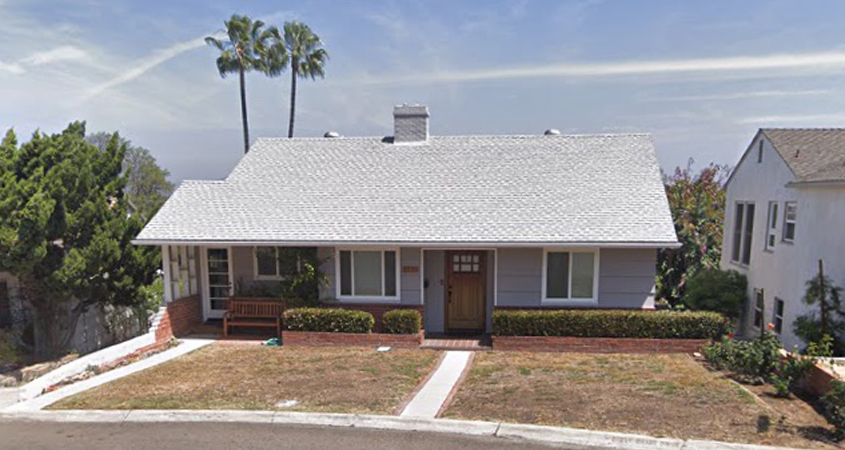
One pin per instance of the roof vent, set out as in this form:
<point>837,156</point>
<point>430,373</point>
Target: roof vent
<point>331,134</point>
<point>552,132</point>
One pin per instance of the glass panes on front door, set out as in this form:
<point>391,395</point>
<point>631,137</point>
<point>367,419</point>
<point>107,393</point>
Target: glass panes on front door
<point>219,282</point>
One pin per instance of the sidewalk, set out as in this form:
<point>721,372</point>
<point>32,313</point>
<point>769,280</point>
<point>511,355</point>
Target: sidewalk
<point>431,398</point>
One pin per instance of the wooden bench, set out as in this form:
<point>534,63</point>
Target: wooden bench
<point>253,313</point>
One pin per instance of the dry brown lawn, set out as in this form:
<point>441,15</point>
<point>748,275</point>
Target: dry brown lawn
<point>347,380</point>
<point>659,395</point>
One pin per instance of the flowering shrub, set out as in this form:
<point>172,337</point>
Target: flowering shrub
<point>759,360</point>
<point>833,406</point>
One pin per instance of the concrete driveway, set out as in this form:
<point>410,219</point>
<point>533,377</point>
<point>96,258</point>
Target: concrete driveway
<point>226,436</point>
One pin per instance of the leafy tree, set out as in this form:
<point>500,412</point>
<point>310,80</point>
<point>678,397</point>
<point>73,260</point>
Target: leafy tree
<point>697,202</point>
<point>710,289</point>
<point>299,48</point>
<point>147,184</point>
<point>65,232</point>
<point>828,320</point>
<point>239,54</point>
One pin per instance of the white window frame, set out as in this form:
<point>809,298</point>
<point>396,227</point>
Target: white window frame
<point>776,317</point>
<point>759,309</point>
<point>593,301</point>
<point>772,226</point>
<point>786,220</point>
<point>368,298</point>
<point>744,234</point>
<point>258,276</point>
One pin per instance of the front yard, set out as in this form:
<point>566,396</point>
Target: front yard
<point>341,380</point>
<point>659,395</point>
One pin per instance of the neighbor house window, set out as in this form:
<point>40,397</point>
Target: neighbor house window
<point>743,230</point>
<point>760,152</point>
<point>778,319</point>
<point>771,227</point>
<point>183,271</point>
<point>368,273</point>
<point>790,216</point>
<point>570,275</point>
<point>759,306</point>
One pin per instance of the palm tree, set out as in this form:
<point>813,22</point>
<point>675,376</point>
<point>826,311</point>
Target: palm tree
<point>238,53</point>
<point>300,49</point>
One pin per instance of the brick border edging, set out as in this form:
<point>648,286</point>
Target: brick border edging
<point>596,345</point>
<point>325,339</point>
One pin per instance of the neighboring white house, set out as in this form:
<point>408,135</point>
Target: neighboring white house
<point>785,211</point>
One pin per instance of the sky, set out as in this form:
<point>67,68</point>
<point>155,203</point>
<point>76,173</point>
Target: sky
<point>701,77</point>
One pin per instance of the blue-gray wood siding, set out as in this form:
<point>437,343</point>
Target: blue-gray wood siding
<point>626,277</point>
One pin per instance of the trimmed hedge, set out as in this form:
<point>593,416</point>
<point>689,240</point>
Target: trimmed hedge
<point>611,324</point>
<point>332,320</point>
<point>402,321</point>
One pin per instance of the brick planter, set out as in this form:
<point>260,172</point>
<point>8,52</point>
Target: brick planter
<point>179,317</point>
<point>318,339</point>
<point>596,345</point>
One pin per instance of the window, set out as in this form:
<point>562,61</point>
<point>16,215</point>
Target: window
<point>778,320</point>
<point>760,152</point>
<point>570,275</point>
<point>275,263</point>
<point>772,224</point>
<point>790,216</point>
<point>758,308</point>
<point>742,233</point>
<point>368,273</point>
<point>183,271</point>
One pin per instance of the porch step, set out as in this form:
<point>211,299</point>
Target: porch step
<point>474,343</point>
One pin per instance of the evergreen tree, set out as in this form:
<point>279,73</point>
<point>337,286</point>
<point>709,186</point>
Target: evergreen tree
<point>65,232</point>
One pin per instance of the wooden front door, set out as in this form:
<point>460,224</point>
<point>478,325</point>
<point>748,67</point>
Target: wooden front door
<point>465,290</point>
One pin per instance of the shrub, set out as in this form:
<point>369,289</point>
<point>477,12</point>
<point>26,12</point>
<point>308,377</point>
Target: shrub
<point>334,320</point>
<point>754,361</point>
<point>716,290</point>
<point>402,321</point>
<point>833,406</point>
<point>614,324</point>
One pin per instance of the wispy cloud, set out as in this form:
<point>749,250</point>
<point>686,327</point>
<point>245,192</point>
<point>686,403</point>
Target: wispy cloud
<point>144,65</point>
<point>816,119</point>
<point>818,60</point>
<point>12,68</point>
<point>63,53</point>
<point>740,95</point>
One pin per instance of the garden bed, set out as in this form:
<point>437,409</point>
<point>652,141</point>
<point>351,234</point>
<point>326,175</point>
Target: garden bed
<point>339,380</point>
<point>658,395</point>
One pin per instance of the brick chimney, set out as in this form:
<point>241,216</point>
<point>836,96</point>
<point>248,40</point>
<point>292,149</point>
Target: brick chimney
<point>410,124</point>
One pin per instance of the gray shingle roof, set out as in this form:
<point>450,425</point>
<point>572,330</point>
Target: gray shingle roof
<point>478,189</point>
<point>813,155</point>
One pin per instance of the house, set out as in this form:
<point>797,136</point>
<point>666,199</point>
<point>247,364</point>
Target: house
<point>453,226</point>
<point>785,211</point>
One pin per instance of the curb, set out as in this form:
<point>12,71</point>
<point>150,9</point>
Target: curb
<point>534,433</point>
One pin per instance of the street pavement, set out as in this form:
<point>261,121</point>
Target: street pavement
<point>27,435</point>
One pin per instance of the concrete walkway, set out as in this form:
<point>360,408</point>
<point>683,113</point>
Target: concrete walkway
<point>433,395</point>
<point>8,396</point>
<point>186,346</point>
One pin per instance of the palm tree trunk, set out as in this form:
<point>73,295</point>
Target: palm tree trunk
<point>292,98</point>
<point>243,110</point>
